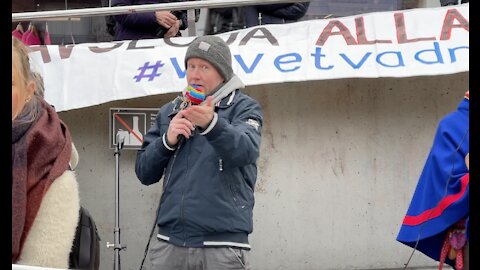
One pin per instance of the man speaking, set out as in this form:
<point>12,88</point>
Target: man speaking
<point>207,156</point>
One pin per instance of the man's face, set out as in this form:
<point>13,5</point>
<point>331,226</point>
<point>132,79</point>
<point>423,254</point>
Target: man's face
<point>203,74</point>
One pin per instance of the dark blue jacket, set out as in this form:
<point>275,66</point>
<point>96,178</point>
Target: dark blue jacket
<point>275,13</point>
<point>451,2</point>
<point>142,25</point>
<point>209,180</point>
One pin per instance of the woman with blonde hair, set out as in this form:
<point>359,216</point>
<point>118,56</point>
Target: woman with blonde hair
<point>45,197</point>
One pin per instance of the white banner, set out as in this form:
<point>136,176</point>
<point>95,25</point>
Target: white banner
<point>416,42</point>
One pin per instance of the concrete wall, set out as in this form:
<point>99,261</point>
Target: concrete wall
<point>339,163</point>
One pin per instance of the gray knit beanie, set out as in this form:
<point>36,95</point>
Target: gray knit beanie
<point>214,50</point>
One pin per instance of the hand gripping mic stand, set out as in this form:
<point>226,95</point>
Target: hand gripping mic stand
<point>116,232</point>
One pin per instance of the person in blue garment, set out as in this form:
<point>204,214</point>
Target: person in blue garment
<point>436,222</point>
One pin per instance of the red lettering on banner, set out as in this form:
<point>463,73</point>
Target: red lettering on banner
<point>96,49</point>
<point>453,14</point>
<point>402,31</point>
<point>453,19</point>
<point>328,31</point>
<point>64,51</point>
<point>132,45</point>
<point>362,37</point>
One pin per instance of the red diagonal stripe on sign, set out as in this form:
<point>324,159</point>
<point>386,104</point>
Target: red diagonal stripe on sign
<point>127,127</point>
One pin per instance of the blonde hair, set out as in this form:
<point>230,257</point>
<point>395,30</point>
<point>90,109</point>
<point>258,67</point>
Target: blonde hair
<point>21,60</point>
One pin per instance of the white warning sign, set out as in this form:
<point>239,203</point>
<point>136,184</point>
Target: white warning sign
<point>130,126</point>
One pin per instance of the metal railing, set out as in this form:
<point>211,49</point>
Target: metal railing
<point>28,267</point>
<point>104,11</point>
<point>190,6</point>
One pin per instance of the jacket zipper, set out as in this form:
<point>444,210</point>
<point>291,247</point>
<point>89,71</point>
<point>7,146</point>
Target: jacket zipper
<point>182,212</point>
<point>171,166</point>
<point>182,216</point>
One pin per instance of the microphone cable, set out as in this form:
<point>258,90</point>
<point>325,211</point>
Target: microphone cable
<point>150,236</point>
<point>158,208</point>
<point>195,96</point>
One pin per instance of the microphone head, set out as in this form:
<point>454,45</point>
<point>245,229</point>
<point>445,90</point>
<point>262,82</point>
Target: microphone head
<point>195,94</point>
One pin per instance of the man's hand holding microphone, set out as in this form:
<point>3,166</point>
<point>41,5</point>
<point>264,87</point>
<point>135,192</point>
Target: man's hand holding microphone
<point>199,113</point>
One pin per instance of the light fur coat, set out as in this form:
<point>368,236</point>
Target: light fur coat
<point>50,240</point>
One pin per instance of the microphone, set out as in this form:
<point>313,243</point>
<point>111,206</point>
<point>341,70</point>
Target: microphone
<point>193,96</point>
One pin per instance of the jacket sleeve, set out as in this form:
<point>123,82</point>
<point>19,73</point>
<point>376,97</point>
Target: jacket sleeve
<point>142,20</point>
<point>238,142</point>
<point>153,156</point>
<point>289,12</point>
<point>271,8</point>
<point>184,20</point>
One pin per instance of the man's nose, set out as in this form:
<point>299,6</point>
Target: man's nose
<point>194,72</point>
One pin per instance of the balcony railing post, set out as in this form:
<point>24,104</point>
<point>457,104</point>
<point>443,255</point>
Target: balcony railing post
<point>191,22</point>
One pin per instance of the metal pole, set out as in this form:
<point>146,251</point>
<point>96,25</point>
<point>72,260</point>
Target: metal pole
<point>116,231</point>
<point>191,22</point>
